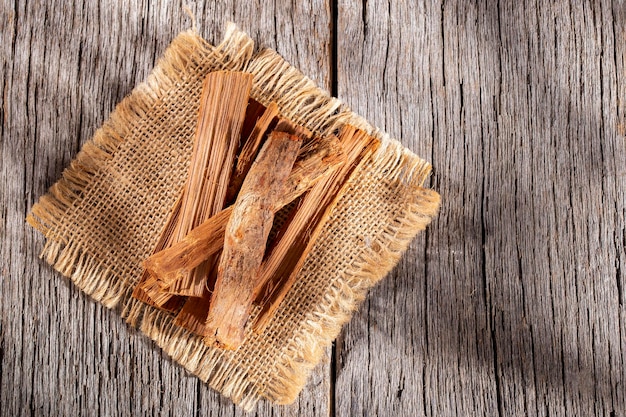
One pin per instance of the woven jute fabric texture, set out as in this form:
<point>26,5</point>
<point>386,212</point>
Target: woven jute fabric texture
<point>104,216</point>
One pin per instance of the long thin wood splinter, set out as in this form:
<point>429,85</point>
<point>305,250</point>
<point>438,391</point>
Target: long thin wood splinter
<point>244,241</point>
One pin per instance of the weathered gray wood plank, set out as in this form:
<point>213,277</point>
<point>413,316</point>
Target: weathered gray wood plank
<point>64,67</point>
<point>513,302</point>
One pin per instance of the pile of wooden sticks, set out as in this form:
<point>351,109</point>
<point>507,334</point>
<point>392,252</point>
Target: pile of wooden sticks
<point>222,250</point>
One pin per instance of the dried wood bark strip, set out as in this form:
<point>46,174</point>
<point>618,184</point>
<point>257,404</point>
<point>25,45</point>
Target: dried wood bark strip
<point>244,241</point>
<point>316,160</point>
<point>220,119</point>
<point>253,112</point>
<point>150,293</point>
<point>298,235</point>
<point>204,241</point>
<point>195,311</point>
<point>250,149</point>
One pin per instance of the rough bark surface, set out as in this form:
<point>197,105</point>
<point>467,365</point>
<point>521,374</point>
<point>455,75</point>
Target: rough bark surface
<point>245,239</point>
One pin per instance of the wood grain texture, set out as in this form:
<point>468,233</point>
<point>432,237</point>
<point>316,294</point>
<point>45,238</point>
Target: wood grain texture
<point>512,303</point>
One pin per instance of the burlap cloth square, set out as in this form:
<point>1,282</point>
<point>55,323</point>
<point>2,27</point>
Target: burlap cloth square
<point>103,217</point>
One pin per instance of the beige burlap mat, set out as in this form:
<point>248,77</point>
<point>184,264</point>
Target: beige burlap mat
<point>103,217</point>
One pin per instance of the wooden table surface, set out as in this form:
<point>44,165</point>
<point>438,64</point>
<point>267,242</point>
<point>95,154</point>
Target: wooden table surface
<point>513,301</point>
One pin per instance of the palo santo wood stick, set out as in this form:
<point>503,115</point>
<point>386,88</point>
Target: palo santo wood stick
<point>316,160</point>
<point>195,311</point>
<point>220,118</point>
<point>253,112</point>
<point>298,235</point>
<point>250,149</point>
<point>244,240</point>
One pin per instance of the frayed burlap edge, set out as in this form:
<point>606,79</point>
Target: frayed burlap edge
<point>300,100</point>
